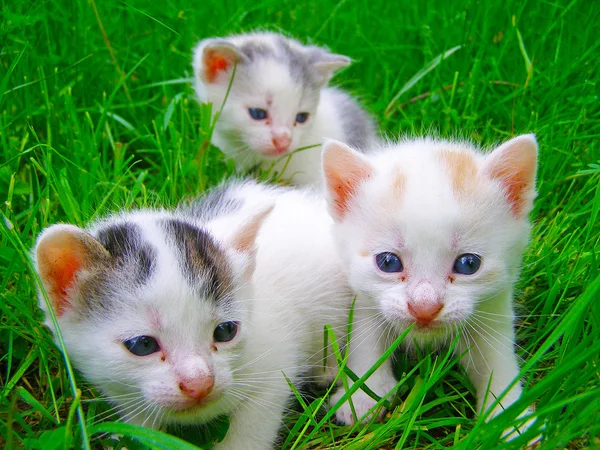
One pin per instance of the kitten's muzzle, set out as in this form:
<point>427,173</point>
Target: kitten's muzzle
<point>198,388</point>
<point>424,303</point>
<point>281,142</point>
<point>424,313</point>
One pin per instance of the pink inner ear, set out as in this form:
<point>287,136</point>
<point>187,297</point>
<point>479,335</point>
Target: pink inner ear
<point>514,165</point>
<point>246,236</point>
<point>214,63</point>
<point>58,264</point>
<point>67,264</point>
<point>342,190</point>
<point>517,183</point>
<point>344,172</point>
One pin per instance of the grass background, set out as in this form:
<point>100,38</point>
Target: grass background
<point>96,114</point>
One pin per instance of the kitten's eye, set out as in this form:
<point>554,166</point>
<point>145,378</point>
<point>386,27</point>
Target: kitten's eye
<point>301,117</point>
<point>257,113</point>
<point>142,345</point>
<point>225,332</point>
<point>467,264</point>
<point>389,262</point>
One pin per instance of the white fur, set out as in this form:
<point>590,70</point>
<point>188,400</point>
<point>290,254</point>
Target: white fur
<point>299,287</point>
<point>428,226</point>
<point>268,83</point>
<point>296,288</point>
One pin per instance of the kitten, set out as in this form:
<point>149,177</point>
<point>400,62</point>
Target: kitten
<point>279,102</point>
<point>179,317</point>
<point>432,234</point>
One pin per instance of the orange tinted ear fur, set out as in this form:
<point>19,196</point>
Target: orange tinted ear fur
<point>344,170</point>
<point>217,57</point>
<point>62,252</point>
<point>244,241</point>
<point>245,238</point>
<point>514,165</point>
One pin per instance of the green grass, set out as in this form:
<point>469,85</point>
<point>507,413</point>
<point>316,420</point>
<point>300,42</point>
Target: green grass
<point>85,130</point>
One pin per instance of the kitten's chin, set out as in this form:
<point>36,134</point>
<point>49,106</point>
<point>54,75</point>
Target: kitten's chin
<point>194,410</point>
<point>431,329</point>
<point>424,332</point>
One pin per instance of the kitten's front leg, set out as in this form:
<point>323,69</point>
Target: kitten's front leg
<point>491,360</point>
<point>367,345</point>
<point>491,355</point>
<point>255,421</point>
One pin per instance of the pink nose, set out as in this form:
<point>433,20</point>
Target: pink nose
<point>424,312</point>
<point>281,143</point>
<point>198,388</point>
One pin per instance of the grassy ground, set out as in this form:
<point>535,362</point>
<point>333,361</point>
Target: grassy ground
<point>96,114</point>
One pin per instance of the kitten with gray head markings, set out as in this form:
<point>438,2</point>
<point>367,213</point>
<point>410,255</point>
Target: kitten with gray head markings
<point>179,317</point>
<point>432,233</point>
<point>279,102</point>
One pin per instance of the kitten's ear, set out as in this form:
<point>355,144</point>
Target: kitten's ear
<point>244,242</point>
<point>215,56</point>
<point>514,165</point>
<point>244,239</point>
<point>61,253</point>
<point>325,64</point>
<point>344,170</point>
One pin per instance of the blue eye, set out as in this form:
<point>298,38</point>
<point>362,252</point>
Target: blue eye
<point>142,345</point>
<point>301,117</point>
<point>389,262</point>
<point>467,264</point>
<point>257,113</point>
<point>225,332</point>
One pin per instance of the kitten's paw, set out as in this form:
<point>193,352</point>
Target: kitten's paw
<point>362,404</point>
<point>514,432</point>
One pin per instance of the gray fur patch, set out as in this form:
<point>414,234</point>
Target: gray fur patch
<point>299,62</point>
<point>257,50</point>
<point>128,250</point>
<point>219,201</point>
<point>203,262</point>
<point>358,126</point>
<point>129,264</point>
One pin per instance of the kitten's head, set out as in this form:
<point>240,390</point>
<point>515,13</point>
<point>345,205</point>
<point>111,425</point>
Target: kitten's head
<point>432,230</point>
<point>153,310</point>
<point>274,94</point>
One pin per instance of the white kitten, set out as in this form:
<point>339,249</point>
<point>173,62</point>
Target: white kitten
<point>279,102</point>
<point>181,317</point>
<point>432,234</point>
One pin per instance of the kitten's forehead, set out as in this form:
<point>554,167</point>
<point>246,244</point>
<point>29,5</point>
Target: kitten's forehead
<point>150,251</point>
<point>126,244</point>
<point>416,179</point>
<point>131,266</point>
<point>290,57</point>
<point>422,196</point>
<point>201,259</point>
<point>436,192</point>
<point>273,78</point>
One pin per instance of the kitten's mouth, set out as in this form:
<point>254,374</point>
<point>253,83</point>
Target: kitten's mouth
<point>275,153</point>
<point>191,407</point>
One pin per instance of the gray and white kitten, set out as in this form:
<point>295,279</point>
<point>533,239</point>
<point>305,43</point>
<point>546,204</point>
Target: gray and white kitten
<point>279,102</point>
<point>179,317</point>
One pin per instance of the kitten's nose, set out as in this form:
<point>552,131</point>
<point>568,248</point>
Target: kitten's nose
<point>424,304</point>
<point>424,312</point>
<point>197,388</point>
<point>281,142</point>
